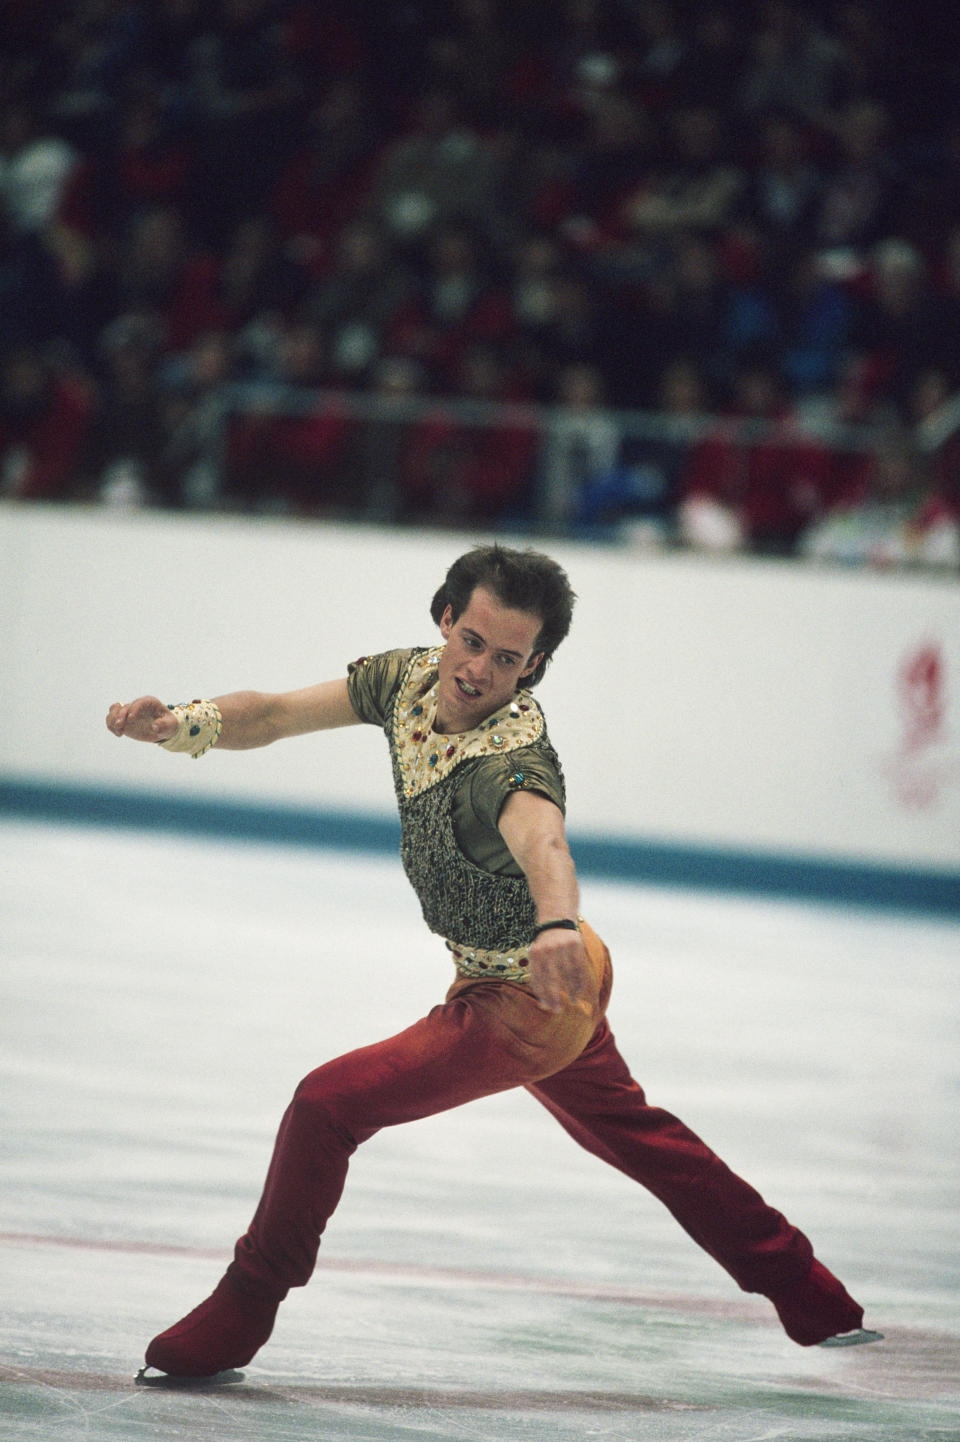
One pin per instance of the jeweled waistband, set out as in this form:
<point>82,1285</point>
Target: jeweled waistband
<point>477,962</point>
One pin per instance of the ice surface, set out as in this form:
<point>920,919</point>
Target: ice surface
<point>483,1280</point>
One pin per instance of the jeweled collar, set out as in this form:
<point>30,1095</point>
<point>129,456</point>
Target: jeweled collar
<point>425,756</point>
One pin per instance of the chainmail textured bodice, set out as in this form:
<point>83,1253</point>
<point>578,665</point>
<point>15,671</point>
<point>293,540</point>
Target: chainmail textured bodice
<point>460,901</point>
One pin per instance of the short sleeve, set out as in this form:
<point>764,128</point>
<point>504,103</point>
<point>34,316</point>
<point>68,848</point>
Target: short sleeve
<point>372,683</point>
<point>496,777</point>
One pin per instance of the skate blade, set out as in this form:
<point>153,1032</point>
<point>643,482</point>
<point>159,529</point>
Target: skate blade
<point>189,1384</point>
<point>853,1339</point>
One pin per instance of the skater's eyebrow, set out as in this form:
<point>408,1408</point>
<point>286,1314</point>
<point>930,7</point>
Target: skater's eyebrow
<point>503,650</point>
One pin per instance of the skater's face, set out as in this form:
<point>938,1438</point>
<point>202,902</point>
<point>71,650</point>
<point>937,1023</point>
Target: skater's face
<point>488,654</point>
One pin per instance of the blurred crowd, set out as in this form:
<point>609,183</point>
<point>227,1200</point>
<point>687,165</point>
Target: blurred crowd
<point>683,273</point>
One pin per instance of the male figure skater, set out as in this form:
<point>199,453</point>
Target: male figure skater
<point>481,799</point>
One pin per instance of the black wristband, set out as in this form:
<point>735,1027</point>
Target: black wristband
<point>564,924</point>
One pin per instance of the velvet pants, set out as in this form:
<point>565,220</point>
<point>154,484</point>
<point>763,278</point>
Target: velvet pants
<point>487,1037</point>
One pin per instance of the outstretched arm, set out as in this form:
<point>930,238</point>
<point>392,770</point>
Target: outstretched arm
<point>560,971</point>
<point>250,718</point>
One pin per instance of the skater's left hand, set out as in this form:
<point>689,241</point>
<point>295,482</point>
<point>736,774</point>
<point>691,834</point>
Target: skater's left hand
<point>560,972</point>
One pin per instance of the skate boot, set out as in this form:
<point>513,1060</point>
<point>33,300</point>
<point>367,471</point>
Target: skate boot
<point>224,1332</point>
<point>819,1309</point>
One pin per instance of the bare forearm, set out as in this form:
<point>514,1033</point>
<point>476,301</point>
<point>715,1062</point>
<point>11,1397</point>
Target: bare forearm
<point>257,718</point>
<point>560,974</point>
<point>551,877</point>
<point>250,719</point>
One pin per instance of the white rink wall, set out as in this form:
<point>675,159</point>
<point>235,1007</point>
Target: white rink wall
<point>731,704</point>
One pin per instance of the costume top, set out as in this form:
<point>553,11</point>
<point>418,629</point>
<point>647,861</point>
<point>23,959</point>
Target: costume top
<point>450,789</point>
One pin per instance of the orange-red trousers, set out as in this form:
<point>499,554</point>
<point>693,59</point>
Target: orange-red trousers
<point>487,1037</point>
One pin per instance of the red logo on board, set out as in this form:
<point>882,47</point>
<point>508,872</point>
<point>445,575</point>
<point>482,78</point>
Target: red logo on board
<point>923,763</point>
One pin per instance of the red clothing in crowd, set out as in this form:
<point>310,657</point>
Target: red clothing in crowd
<point>774,485</point>
<point>457,471</point>
<point>295,461</point>
<point>41,457</point>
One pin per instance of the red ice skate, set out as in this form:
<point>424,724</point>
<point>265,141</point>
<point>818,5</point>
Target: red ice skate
<point>224,1332</point>
<point>819,1311</point>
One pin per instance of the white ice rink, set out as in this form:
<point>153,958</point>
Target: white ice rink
<point>483,1280</point>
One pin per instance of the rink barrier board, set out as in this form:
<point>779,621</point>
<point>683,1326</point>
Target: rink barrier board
<point>614,858</point>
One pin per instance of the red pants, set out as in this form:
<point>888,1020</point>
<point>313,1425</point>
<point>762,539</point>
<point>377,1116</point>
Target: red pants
<point>486,1038</point>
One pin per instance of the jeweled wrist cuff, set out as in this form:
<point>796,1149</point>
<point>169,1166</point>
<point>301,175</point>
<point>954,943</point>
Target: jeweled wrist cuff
<point>199,724</point>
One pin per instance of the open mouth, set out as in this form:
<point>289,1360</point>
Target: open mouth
<point>465,689</point>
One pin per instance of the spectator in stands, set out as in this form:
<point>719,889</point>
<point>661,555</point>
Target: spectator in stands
<point>325,182</point>
<point>583,35</point>
<point>356,305</point>
<point>581,445</point>
<point>935,430</point>
<point>258,276</point>
<point>163,277</point>
<point>609,164</point>
<point>813,326</point>
<point>468,461</point>
<point>54,287</point>
<point>443,170</point>
<point>56,291</point>
<point>871,57</point>
<point>148,161</point>
<point>169,52</point>
<point>694,309</point>
<point>713,62</point>
<point>861,189</point>
<point>697,187</point>
<point>246,92</point>
<point>754,482</point>
<point>795,64</point>
<point>127,437</point>
<point>196,409</point>
<point>557,317</point>
<point>475,55</point>
<point>660,47</point>
<point>637,498</point>
<point>44,426</point>
<point>35,167</point>
<point>285,451</point>
<point>536,272</point>
<point>377,465</point>
<point>780,196</point>
<point>931,394</point>
<point>898,327</point>
<point>92,49</point>
<point>461,302</point>
<point>892,519</point>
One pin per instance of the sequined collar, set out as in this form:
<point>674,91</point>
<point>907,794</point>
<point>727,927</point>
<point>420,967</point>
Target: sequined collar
<point>425,756</point>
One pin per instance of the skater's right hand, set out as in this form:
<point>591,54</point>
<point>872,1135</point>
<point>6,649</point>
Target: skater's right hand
<point>146,719</point>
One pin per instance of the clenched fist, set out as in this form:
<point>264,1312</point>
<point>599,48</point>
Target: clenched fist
<point>146,719</point>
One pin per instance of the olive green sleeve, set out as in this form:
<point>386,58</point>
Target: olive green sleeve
<point>372,682</point>
<point>492,781</point>
<point>480,796</point>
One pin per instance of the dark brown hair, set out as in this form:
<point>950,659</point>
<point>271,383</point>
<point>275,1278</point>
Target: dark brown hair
<point>524,581</point>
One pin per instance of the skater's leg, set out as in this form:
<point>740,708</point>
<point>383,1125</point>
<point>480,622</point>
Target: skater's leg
<point>483,1039</point>
<point>598,1102</point>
